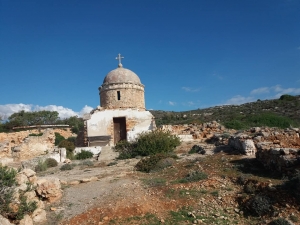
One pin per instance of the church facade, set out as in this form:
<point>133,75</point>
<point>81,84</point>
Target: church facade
<point>121,114</point>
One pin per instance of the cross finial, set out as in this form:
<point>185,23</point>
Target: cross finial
<point>120,58</point>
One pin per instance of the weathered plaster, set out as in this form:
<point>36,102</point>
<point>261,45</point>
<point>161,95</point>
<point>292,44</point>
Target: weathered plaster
<point>101,122</point>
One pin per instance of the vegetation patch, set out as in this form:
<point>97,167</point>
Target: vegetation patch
<point>155,182</point>
<point>67,167</point>
<point>154,163</point>
<point>148,143</point>
<point>50,162</point>
<point>193,176</point>
<point>41,166</point>
<point>84,155</point>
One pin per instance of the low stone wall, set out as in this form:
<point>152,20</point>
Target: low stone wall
<point>20,145</point>
<point>277,149</point>
<point>59,154</point>
<point>95,150</point>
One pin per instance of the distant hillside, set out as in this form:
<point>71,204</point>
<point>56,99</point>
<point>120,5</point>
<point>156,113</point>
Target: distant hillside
<point>282,112</point>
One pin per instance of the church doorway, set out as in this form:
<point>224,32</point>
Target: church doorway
<point>119,129</point>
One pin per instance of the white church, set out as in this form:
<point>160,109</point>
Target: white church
<point>121,114</point>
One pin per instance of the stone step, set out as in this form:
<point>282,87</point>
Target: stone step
<point>107,153</point>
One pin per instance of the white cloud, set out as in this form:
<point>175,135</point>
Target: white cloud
<point>261,90</point>
<point>8,109</point>
<point>238,99</point>
<point>281,91</point>
<point>172,103</point>
<point>188,89</point>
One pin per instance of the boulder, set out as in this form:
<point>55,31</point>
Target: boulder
<point>26,220</point>
<point>49,189</point>
<point>248,147</point>
<point>39,216</point>
<point>4,221</point>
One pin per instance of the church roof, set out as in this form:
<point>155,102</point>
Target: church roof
<point>121,75</point>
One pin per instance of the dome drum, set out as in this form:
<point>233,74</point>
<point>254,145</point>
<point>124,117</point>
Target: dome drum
<point>122,89</point>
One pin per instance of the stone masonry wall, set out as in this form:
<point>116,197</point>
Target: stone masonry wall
<point>130,97</point>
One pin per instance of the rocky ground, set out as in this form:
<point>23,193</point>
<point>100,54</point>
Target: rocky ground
<point>113,192</point>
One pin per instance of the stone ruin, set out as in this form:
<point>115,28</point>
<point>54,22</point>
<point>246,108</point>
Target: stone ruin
<point>277,149</point>
<point>21,147</point>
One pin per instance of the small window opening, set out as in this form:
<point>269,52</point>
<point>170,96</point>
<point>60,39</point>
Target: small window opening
<point>119,95</point>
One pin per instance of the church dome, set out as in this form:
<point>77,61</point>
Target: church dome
<point>121,75</point>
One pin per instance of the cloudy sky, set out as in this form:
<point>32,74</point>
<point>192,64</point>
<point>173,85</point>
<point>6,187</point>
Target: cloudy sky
<point>189,54</point>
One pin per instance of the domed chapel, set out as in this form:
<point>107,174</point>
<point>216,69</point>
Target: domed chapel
<point>121,114</point>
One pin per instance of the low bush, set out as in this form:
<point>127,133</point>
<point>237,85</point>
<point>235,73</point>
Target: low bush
<point>193,176</point>
<point>7,183</point>
<point>150,163</point>
<point>148,143</point>
<point>50,162</point>
<point>287,98</point>
<point>69,147</point>
<point>84,155</point>
<point>197,149</point>
<point>41,166</point>
<point>259,205</point>
<point>163,163</point>
<point>67,167</point>
<point>126,149</point>
<point>86,163</point>
<point>58,138</point>
<point>7,176</point>
<point>155,142</point>
<point>25,207</point>
<point>293,186</point>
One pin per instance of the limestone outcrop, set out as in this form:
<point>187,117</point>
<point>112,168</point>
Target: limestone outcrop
<point>33,189</point>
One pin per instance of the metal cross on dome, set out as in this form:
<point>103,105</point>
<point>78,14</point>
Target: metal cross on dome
<point>120,58</point>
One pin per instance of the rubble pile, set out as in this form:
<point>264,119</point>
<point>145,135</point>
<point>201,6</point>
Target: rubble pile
<point>198,131</point>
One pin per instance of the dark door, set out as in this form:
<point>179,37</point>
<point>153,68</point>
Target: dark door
<point>119,129</point>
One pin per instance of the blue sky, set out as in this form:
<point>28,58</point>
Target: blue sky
<point>189,54</point>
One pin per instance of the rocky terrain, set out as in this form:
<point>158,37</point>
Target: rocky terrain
<point>220,185</point>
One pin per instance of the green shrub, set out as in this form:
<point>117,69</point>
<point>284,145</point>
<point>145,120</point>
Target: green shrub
<point>148,143</point>
<point>150,163</point>
<point>155,142</point>
<point>25,207</point>
<point>126,149</point>
<point>50,162</point>
<point>193,176</point>
<point>69,147</point>
<point>7,182</point>
<point>58,138</point>
<point>197,149</point>
<point>41,166</point>
<point>7,176</point>
<point>259,205</point>
<point>67,167</point>
<point>72,139</point>
<point>287,98</point>
<point>235,124</point>
<point>84,155</point>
